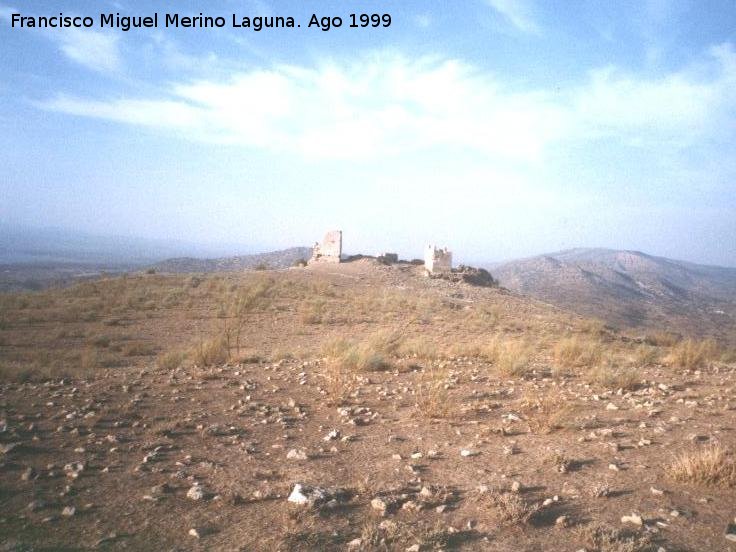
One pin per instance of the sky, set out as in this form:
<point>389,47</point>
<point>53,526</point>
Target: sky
<point>498,128</point>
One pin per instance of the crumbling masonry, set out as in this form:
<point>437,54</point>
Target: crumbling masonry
<point>330,250</point>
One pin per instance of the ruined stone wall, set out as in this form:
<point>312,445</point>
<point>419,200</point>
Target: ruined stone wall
<point>330,249</point>
<point>437,261</point>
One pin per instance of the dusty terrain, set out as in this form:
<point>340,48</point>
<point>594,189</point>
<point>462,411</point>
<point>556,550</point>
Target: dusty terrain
<point>157,412</point>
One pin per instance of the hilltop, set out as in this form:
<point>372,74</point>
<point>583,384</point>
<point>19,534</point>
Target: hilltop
<point>352,406</point>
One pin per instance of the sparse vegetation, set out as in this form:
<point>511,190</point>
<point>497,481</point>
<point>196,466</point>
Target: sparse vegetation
<point>692,353</point>
<point>210,352</point>
<point>510,358</point>
<point>611,376</point>
<point>397,383</point>
<point>597,537</point>
<point>431,394</point>
<point>170,360</point>
<point>707,465</point>
<point>510,508</point>
<point>578,351</point>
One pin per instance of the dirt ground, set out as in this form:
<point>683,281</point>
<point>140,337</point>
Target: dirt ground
<point>155,412</point>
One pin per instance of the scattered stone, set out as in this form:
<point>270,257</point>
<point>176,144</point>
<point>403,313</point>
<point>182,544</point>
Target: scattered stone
<point>68,511</point>
<point>466,453</point>
<point>633,518</point>
<point>196,492</point>
<point>656,492</point>
<point>515,487</point>
<point>561,521</point>
<point>36,505</point>
<point>296,454</point>
<point>5,448</point>
<point>380,505</point>
<point>305,495</point>
<point>731,531</point>
<point>332,435</point>
<point>198,532</point>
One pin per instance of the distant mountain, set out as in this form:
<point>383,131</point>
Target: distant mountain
<point>20,244</point>
<point>630,288</point>
<point>37,258</point>
<point>275,259</point>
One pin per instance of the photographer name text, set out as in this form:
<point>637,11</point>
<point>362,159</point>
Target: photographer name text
<point>201,21</point>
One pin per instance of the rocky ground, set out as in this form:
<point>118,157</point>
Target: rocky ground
<point>403,448</point>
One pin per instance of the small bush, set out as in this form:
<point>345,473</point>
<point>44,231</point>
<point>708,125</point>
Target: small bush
<point>211,352</point>
<point>645,355</point>
<point>575,352</point>
<point>614,377</point>
<point>432,397</point>
<point>601,538</point>
<point>706,466</point>
<point>170,360</point>
<point>545,414</point>
<point>662,339</point>
<point>139,348</point>
<point>692,353</point>
<point>368,356</point>
<point>101,341</point>
<point>511,508</point>
<point>510,358</point>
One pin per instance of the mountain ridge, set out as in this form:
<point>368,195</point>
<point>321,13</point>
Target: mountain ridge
<point>628,288</point>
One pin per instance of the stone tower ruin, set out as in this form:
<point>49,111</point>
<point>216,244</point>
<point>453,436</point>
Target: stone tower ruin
<point>330,250</point>
<point>437,261</point>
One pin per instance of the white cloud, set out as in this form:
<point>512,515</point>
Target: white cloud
<point>380,105</point>
<point>678,106</point>
<point>387,104</point>
<point>7,11</point>
<point>96,50</point>
<point>518,13</point>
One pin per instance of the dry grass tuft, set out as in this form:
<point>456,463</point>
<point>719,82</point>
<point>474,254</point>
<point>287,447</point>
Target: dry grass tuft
<point>370,355</point>
<point>511,508</point>
<point>338,381</point>
<point>211,352</point>
<point>432,399</point>
<point>170,360</point>
<point>614,377</point>
<point>693,353</point>
<point>545,414</point>
<point>578,351</point>
<point>601,538</point>
<point>709,465</point>
<point>510,358</point>
<point>662,339</point>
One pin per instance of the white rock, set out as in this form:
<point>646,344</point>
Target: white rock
<point>633,518</point>
<point>465,453</point>
<point>196,492</point>
<point>296,454</point>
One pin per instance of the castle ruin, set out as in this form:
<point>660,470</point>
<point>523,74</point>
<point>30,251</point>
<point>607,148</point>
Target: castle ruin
<point>437,261</point>
<point>330,250</point>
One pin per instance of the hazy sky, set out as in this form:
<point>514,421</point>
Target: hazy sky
<point>501,128</point>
